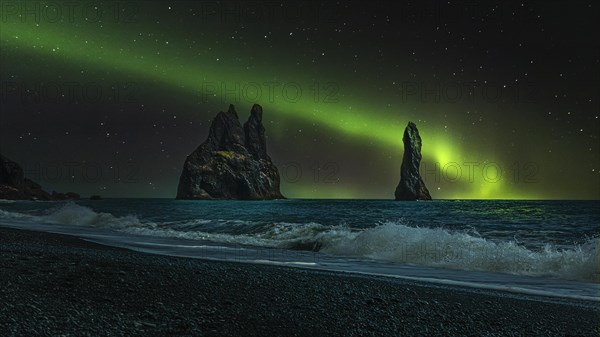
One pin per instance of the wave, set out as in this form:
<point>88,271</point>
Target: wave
<point>438,247</point>
<point>73,214</point>
<point>389,241</point>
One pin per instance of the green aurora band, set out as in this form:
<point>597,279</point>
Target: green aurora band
<point>111,51</point>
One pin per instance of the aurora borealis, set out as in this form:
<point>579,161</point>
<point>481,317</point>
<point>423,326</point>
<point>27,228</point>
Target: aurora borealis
<point>109,97</point>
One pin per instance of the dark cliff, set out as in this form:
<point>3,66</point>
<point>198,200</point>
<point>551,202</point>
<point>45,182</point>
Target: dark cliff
<point>15,186</point>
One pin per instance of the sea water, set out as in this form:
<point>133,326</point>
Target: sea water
<point>537,247</point>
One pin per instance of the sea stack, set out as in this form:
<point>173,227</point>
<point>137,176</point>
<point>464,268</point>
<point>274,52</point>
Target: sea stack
<point>411,186</point>
<point>232,163</point>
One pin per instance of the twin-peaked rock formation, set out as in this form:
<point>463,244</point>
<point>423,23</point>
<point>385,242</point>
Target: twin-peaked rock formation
<point>232,163</point>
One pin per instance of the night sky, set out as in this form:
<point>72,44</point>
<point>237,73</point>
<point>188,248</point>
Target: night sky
<point>110,97</point>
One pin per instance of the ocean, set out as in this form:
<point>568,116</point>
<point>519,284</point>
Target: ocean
<point>530,247</point>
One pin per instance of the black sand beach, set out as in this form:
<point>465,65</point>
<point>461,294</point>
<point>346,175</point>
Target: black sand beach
<point>55,285</point>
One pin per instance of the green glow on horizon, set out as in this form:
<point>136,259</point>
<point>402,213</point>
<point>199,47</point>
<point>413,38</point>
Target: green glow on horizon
<point>352,117</point>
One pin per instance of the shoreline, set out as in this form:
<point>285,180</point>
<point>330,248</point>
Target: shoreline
<point>57,284</point>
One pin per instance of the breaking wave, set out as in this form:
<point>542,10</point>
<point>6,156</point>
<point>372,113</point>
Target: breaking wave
<point>389,241</point>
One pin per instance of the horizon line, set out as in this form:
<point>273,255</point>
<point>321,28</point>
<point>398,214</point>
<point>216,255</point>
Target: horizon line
<point>383,199</point>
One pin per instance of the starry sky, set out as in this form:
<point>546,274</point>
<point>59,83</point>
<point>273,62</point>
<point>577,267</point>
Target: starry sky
<point>108,97</point>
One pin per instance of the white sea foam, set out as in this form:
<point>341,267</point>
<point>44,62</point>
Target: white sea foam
<point>438,247</point>
<point>73,214</point>
<point>13,215</point>
<point>391,241</point>
<point>435,247</point>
